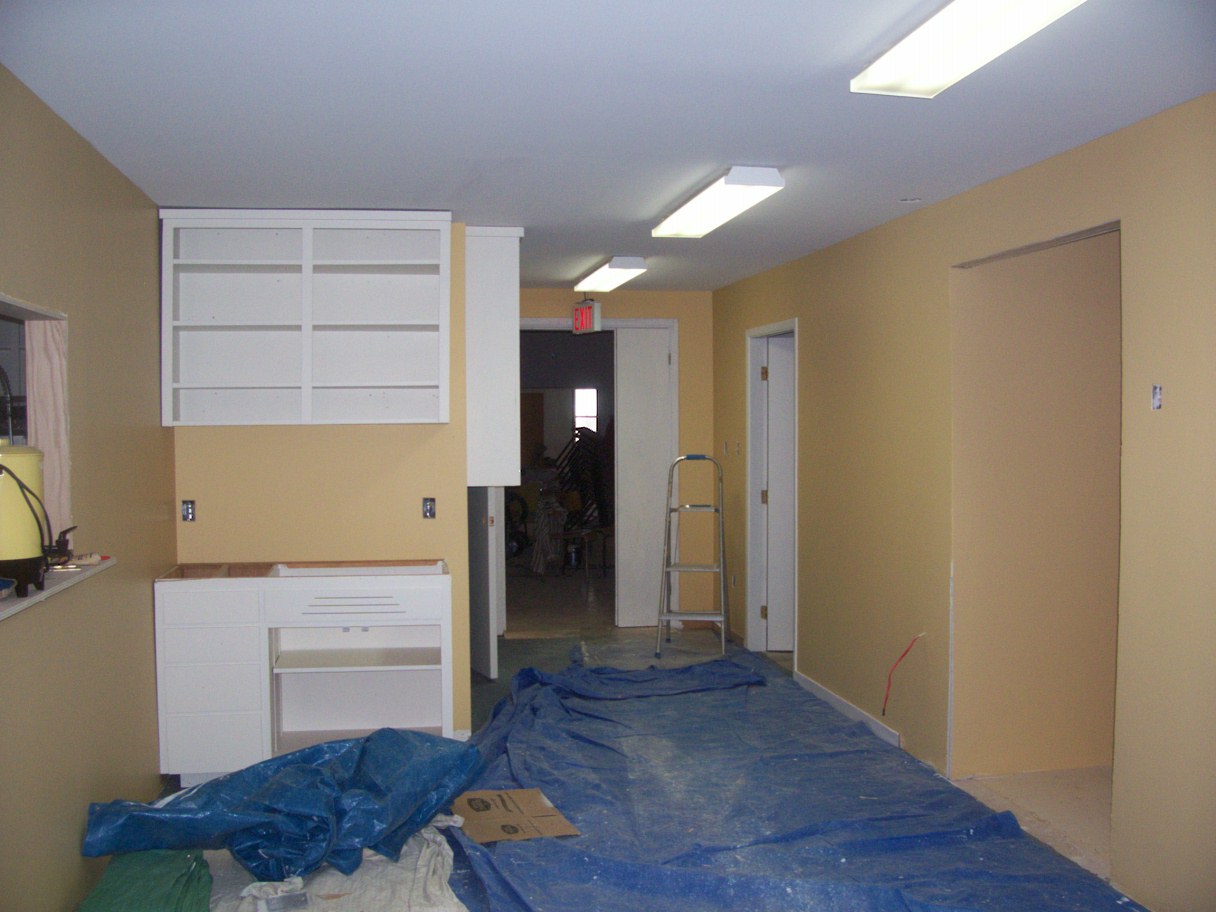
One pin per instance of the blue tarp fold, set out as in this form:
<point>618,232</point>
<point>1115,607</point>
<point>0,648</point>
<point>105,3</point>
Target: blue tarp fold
<point>289,815</point>
<point>726,786</point>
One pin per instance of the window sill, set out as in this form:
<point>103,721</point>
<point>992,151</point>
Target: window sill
<point>56,581</point>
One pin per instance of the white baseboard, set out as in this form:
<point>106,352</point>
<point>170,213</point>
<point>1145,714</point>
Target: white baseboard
<point>462,734</point>
<point>843,706</point>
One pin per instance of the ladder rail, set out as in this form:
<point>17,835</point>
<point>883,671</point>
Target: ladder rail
<point>671,554</point>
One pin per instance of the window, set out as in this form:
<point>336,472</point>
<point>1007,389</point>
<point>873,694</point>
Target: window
<point>586,409</point>
<point>12,381</point>
<point>36,365</point>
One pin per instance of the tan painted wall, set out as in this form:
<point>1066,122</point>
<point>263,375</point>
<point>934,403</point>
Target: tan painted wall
<point>339,492</point>
<point>1036,393</point>
<point>77,674</point>
<point>693,313</point>
<point>875,470</point>
<point>873,467</point>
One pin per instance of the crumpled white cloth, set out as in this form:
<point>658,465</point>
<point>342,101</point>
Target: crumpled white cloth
<point>418,882</point>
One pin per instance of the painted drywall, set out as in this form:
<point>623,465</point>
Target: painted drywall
<point>873,468</point>
<point>77,671</point>
<point>1036,405</point>
<point>348,492</point>
<point>692,311</point>
<point>875,463</point>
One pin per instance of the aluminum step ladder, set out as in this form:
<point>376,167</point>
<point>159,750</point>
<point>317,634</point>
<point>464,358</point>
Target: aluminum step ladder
<point>671,552</point>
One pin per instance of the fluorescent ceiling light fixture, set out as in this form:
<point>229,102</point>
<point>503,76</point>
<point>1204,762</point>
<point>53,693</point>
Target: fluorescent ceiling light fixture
<point>737,191</point>
<point>955,43</point>
<point>616,271</point>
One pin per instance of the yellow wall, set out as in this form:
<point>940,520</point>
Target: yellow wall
<point>77,674</point>
<point>351,492</point>
<point>875,465</point>
<point>693,313</point>
<point>1036,401</point>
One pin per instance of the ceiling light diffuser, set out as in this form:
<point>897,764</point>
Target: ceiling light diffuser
<point>737,191</point>
<point>616,271</point>
<point>955,43</point>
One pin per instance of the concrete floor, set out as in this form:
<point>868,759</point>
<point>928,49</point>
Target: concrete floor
<point>551,617</point>
<point>1067,809</point>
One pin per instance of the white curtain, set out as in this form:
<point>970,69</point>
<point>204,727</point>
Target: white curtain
<point>46,391</point>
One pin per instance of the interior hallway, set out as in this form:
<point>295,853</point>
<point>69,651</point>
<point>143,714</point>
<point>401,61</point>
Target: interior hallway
<point>550,617</point>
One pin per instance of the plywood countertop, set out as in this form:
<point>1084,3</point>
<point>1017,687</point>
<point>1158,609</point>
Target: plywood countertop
<point>258,570</point>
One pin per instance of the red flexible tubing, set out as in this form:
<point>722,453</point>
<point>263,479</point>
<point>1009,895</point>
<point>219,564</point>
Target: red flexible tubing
<point>887,695</point>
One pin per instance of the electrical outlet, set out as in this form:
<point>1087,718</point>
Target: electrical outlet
<point>428,508</point>
<point>188,514</point>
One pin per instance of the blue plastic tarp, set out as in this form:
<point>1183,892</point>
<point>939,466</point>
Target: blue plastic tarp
<point>726,785</point>
<point>289,815</point>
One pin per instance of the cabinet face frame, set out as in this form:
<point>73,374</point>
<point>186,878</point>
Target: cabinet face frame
<point>295,297</point>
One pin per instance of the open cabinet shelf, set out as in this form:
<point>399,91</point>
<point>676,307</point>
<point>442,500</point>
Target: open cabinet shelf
<point>317,317</point>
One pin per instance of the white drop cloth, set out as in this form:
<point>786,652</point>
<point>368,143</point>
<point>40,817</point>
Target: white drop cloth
<point>418,882</point>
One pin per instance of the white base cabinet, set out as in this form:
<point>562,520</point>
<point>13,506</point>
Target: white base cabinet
<point>255,666</point>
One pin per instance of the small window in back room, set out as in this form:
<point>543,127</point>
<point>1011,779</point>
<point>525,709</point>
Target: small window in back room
<point>586,409</point>
<point>12,381</point>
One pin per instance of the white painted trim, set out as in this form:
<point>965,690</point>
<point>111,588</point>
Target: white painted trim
<point>23,310</point>
<point>608,323</point>
<point>491,231</point>
<point>752,618</point>
<point>56,582</point>
<point>279,215</point>
<point>950,687</point>
<point>843,706</point>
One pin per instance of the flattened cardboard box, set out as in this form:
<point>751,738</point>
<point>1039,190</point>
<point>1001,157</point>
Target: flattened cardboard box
<point>511,814</point>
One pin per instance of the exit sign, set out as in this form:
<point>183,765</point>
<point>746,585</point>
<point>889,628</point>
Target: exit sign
<point>586,317</point>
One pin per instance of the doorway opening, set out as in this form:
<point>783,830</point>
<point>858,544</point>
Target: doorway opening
<point>1037,399</point>
<point>592,498</point>
<point>772,528</point>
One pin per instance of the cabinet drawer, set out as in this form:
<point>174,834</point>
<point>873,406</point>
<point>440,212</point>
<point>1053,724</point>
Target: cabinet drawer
<point>211,743</point>
<point>210,645</point>
<point>353,606</point>
<point>177,608</point>
<point>212,688</point>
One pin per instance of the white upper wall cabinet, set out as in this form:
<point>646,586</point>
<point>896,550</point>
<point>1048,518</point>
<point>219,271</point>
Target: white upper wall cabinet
<point>304,317</point>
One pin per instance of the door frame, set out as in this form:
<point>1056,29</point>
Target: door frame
<point>672,325</point>
<point>757,446</point>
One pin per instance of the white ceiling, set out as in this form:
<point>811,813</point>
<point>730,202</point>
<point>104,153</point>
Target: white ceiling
<point>582,121</point>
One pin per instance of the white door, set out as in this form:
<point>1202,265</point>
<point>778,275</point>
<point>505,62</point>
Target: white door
<point>487,578</point>
<point>781,508</point>
<point>645,446</point>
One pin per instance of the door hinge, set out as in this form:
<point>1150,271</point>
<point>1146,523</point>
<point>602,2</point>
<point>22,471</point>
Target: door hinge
<point>764,612</point>
<point>764,373</point>
<point>764,496</point>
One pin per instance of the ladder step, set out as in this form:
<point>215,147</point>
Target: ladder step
<point>694,508</point>
<point>692,568</point>
<point>690,616</point>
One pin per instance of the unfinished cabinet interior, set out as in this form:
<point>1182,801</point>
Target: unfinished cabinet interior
<point>252,666</point>
<point>304,317</point>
